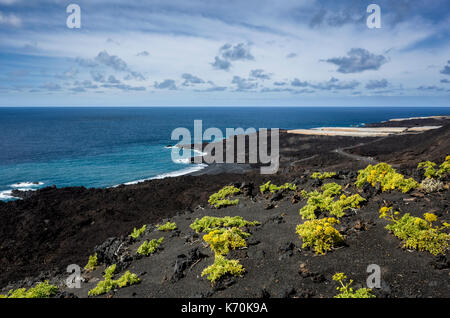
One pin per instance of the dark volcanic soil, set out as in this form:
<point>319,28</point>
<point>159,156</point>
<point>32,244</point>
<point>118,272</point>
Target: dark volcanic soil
<point>53,228</point>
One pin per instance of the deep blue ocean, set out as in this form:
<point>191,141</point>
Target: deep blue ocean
<point>104,147</point>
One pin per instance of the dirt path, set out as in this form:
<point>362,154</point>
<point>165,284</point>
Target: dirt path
<point>369,160</point>
<point>302,160</point>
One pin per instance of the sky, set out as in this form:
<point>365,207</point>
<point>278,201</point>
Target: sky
<point>224,53</point>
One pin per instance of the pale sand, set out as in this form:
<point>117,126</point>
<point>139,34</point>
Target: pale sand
<point>361,131</point>
<point>426,117</point>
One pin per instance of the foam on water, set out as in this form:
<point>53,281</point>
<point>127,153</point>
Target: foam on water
<point>183,160</point>
<point>26,184</point>
<point>6,195</point>
<point>173,174</point>
<point>106,146</point>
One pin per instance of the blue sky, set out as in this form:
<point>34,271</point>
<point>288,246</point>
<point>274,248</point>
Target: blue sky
<point>224,53</point>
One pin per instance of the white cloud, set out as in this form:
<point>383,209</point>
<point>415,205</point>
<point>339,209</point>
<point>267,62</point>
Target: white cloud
<point>8,2</point>
<point>10,19</point>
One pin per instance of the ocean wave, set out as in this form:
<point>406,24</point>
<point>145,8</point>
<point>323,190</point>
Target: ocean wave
<point>195,151</point>
<point>183,160</point>
<point>181,172</point>
<point>199,152</point>
<point>172,174</point>
<point>26,185</point>
<point>6,195</point>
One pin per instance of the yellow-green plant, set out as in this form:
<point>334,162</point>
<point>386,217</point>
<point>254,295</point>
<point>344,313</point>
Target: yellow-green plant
<point>428,167</point>
<point>222,235</point>
<point>268,186</point>
<point>345,291</point>
<point>208,223</point>
<point>387,177</point>
<point>169,226</point>
<point>41,290</point>
<point>149,247</point>
<point>418,233</point>
<point>92,263</point>
<point>444,168</point>
<point>221,267</point>
<point>326,201</point>
<point>138,232</point>
<point>320,234</point>
<point>108,284</point>
<point>324,175</point>
<point>219,199</point>
<point>222,240</point>
<point>430,170</point>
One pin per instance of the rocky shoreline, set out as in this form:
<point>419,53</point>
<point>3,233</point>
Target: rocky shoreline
<point>54,227</point>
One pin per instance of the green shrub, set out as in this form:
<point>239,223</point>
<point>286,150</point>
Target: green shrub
<point>169,226</point>
<point>222,240</point>
<point>223,234</point>
<point>345,291</point>
<point>221,267</point>
<point>428,166</point>
<point>430,170</point>
<point>321,176</point>
<point>225,202</point>
<point>386,176</point>
<point>41,290</point>
<point>319,234</point>
<point>149,247</point>
<point>92,263</point>
<point>325,201</point>
<point>444,168</point>
<point>108,284</point>
<point>208,223</point>
<point>418,233</point>
<point>219,200</point>
<point>268,186</point>
<point>138,232</point>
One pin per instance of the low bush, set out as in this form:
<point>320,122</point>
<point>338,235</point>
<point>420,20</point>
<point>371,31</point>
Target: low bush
<point>387,177</point>
<point>429,185</point>
<point>345,291</point>
<point>41,290</point>
<point>430,170</point>
<point>320,234</point>
<point>219,200</point>
<point>222,240</point>
<point>325,201</point>
<point>108,284</point>
<point>138,232</point>
<point>92,263</point>
<point>222,235</point>
<point>268,186</point>
<point>149,247</point>
<point>169,226</point>
<point>221,267</point>
<point>208,223</point>
<point>418,233</point>
<point>324,175</point>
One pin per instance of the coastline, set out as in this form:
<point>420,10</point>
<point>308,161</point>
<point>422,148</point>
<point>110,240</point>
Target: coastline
<point>40,233</point>
<point>381,129</point>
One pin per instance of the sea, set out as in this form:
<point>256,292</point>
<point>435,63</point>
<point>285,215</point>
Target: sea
<point>109,146</point>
